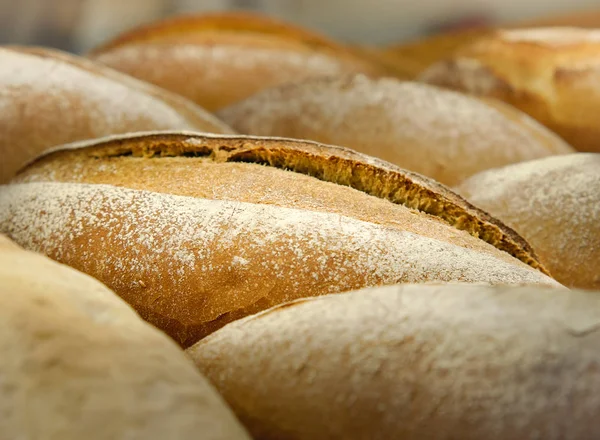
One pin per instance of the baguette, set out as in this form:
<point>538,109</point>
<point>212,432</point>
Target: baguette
<point>412,362</point>
<point>549,73</point>
<point>195,231</point>
<point>51,98</point>
<point>555,204</point>
<point>442,134</point>
<point>79,363</point>
<point>218,59</point>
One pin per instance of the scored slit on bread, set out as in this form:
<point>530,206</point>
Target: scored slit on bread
<point>331,164</point>
<point>196,231</point>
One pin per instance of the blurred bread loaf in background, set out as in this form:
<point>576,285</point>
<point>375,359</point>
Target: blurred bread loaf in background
<point>442,134</point>
<point>550,73</point>
<point>413,57</point>
<point>50,98</point>
<point>218,59</point>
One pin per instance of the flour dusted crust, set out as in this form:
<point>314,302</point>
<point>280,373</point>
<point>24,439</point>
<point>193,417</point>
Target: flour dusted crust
<point>194,233</point>
<point>442,134</point>
<point>414,362</point>
<point>219,59</point>
<point>555,204</point>
<point>326,163</point>
<point>78,362</point>
<point>49,98</point>
<point>550,73</point>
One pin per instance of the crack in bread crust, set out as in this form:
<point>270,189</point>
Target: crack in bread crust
<point>332,164</point>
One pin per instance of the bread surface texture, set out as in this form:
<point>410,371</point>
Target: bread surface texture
<point>218,59</point>
<point>549,73</point>
<point>433,362</point>
<point>439,133</point>
<point>78,362</point>
<point>555,204</point>
<point>50,98</point>
<point>196,231</point>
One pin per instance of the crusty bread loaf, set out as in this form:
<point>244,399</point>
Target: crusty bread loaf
<point>555,204</point>
<point>390,65</point>
<point>78,363</point>
<point>413,362</point>
<point>589,18</point>
<point>196,231</point>
<point>218,59</point>
<point>413,57</point>
<point>442,134</point>
<point>50,98</point>
<point>549,73</point>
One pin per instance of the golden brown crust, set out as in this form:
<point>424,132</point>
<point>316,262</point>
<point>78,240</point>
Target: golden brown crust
<point>234,22</point>
<point>190,265</point>
<point>74,355</point>
<point>51,98</point>
<point>337,165</point>
<point>549,73</point>
<point>583,19</point>
<point>215,60</point>
<point>196,231</point>
<point>415,362</point>
<point>415,56</point>
<point>390,65</point>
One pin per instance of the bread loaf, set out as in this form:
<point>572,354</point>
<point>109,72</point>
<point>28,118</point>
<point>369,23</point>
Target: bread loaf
<point>196,231</point>
<point>549,73</point>
<point>412,362</point>
<point>50,98</point>
<point>439,133</point>
<point>414,57</point>
<point>390,65</point>
<point>218,59</point>
<point>555,204</point>
<point>78,363</point>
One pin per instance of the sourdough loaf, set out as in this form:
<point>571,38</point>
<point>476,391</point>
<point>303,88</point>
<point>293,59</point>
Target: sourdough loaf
<point>50,98</point>
<point>195,231</point>
<point>555,204</point>
<point>218,59</point>
<point>78,363</point>
<point>436,362</point>
<point>442,134</point>
<point>550,73</point>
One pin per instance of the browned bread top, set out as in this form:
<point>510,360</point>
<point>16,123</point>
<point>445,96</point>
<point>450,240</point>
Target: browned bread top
<point>196,117</point>
<point>240,23</point>
<point>196,231</point>
<point>549,73</point>
<point>413,57</point>
<point>190,153</point>
<point>445,135</point>
<point>50,98</point>
<point>215,60</point>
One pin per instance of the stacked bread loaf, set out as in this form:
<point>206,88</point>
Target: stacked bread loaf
<point>50,98</point>
<point>315,267</point>
<point>549,73</point>
<point>78,362</point>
